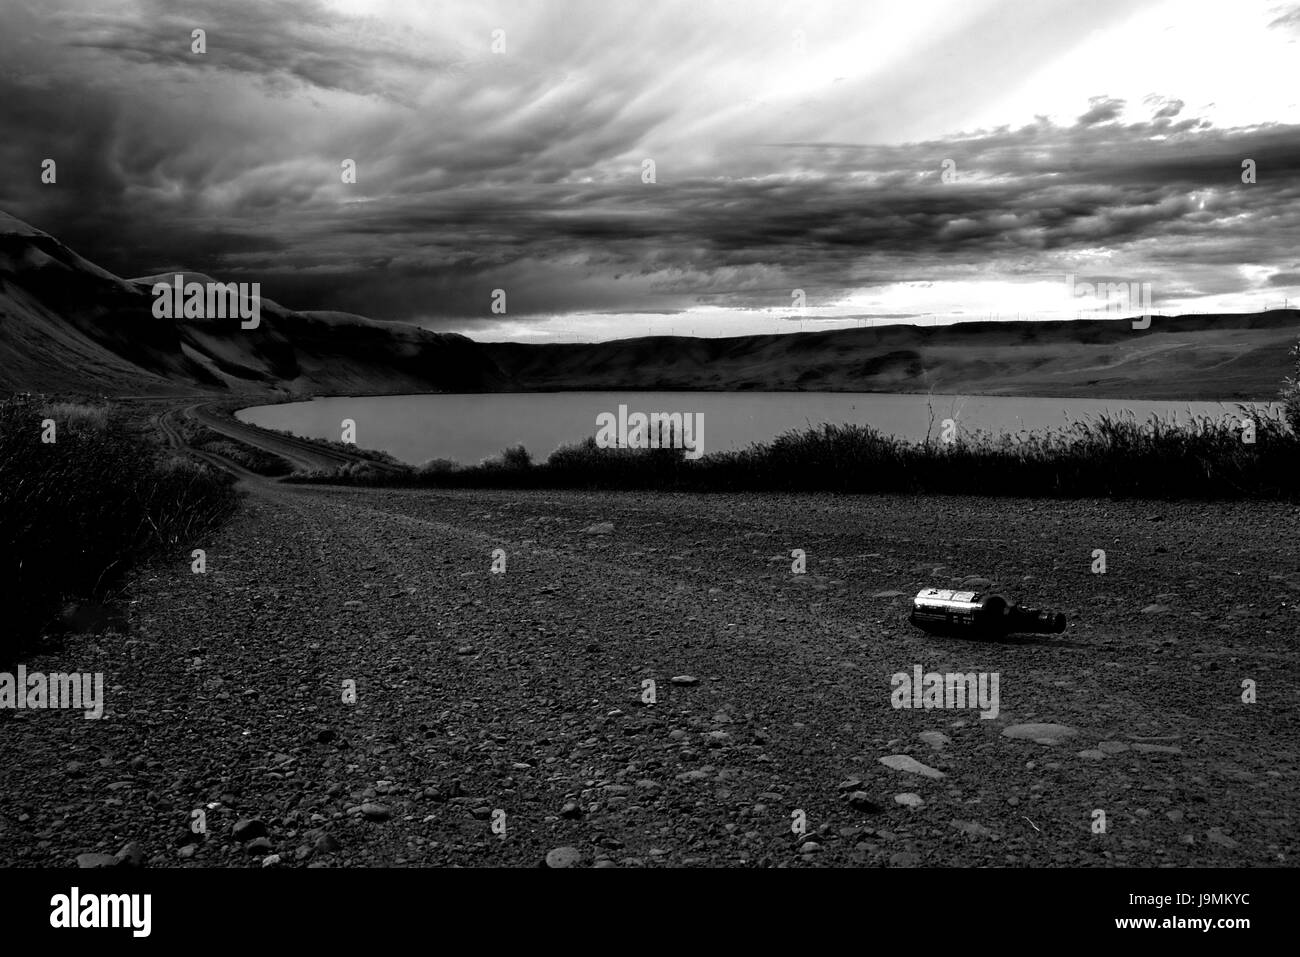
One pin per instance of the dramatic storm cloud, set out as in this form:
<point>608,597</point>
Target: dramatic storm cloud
<point>921,161</point>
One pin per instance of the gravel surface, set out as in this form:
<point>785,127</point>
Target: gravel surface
<point>487,700</point>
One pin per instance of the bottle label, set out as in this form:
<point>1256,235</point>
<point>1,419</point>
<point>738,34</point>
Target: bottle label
<point>948,600</point>
<point>945,594</point>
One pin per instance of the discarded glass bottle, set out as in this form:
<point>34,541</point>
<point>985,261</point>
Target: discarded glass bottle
<point>942,611</point>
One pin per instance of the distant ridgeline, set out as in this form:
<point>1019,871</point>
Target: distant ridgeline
<point>67,324</point>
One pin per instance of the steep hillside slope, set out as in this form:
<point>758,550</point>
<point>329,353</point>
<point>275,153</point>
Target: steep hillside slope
<point>67,324</point>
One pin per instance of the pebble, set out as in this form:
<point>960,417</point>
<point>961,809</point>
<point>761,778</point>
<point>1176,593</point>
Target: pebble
<point>935,739</point>
<point>96,860</point>
<point>861,801</point>
<point>1154,609</point>
<point>902,762</point>
<point>973,828</point>
<point>326,844</point>
<point>1040,733</point>
<point>1216,836</point>
<point>908,799</point>
<point>1157,749</point>
<point>888,594</point>
<point>1112,747</point>
<point>685,680</point>
<point>600,528</point>
<point>376,812</point>
<point>1093,754</point>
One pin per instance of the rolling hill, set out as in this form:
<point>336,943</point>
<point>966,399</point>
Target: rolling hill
<point>1213,357</point>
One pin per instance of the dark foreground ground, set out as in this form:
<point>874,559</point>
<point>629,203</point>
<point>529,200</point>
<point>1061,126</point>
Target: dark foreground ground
<point>521,692</point>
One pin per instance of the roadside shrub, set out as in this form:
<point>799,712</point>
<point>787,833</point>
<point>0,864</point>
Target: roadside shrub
<point>1110,456</point>
<point>516,457</point>
<point>75,514</point>
<point>435,468</point>
<point>1290,394</point>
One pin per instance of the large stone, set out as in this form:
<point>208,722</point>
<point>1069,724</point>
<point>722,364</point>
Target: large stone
<point>1040,733</point>
<point>132,855</point>
<point>248,828</point>
<point>563,857</point>
<point>258,845</point>
<point>903,762</point>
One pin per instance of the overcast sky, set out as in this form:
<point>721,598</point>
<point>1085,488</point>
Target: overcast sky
<point>796,146</point>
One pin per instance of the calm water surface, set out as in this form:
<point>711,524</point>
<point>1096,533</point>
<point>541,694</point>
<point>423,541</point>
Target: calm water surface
<point>469,428</point>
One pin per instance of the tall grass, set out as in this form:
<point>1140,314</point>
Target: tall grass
<point>1104,457</point>
<point>1290,394</point>
<point>199,436</point>
<point>78,512</point>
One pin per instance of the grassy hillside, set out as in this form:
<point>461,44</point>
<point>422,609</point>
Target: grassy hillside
<point>67,325</point>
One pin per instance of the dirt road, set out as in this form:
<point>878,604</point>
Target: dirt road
<point>522,692</point>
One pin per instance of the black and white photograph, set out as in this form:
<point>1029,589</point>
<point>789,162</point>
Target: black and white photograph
<point>741,436</point>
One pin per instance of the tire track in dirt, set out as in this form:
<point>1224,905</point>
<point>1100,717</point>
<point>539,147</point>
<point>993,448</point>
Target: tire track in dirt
<point>522,691</point>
